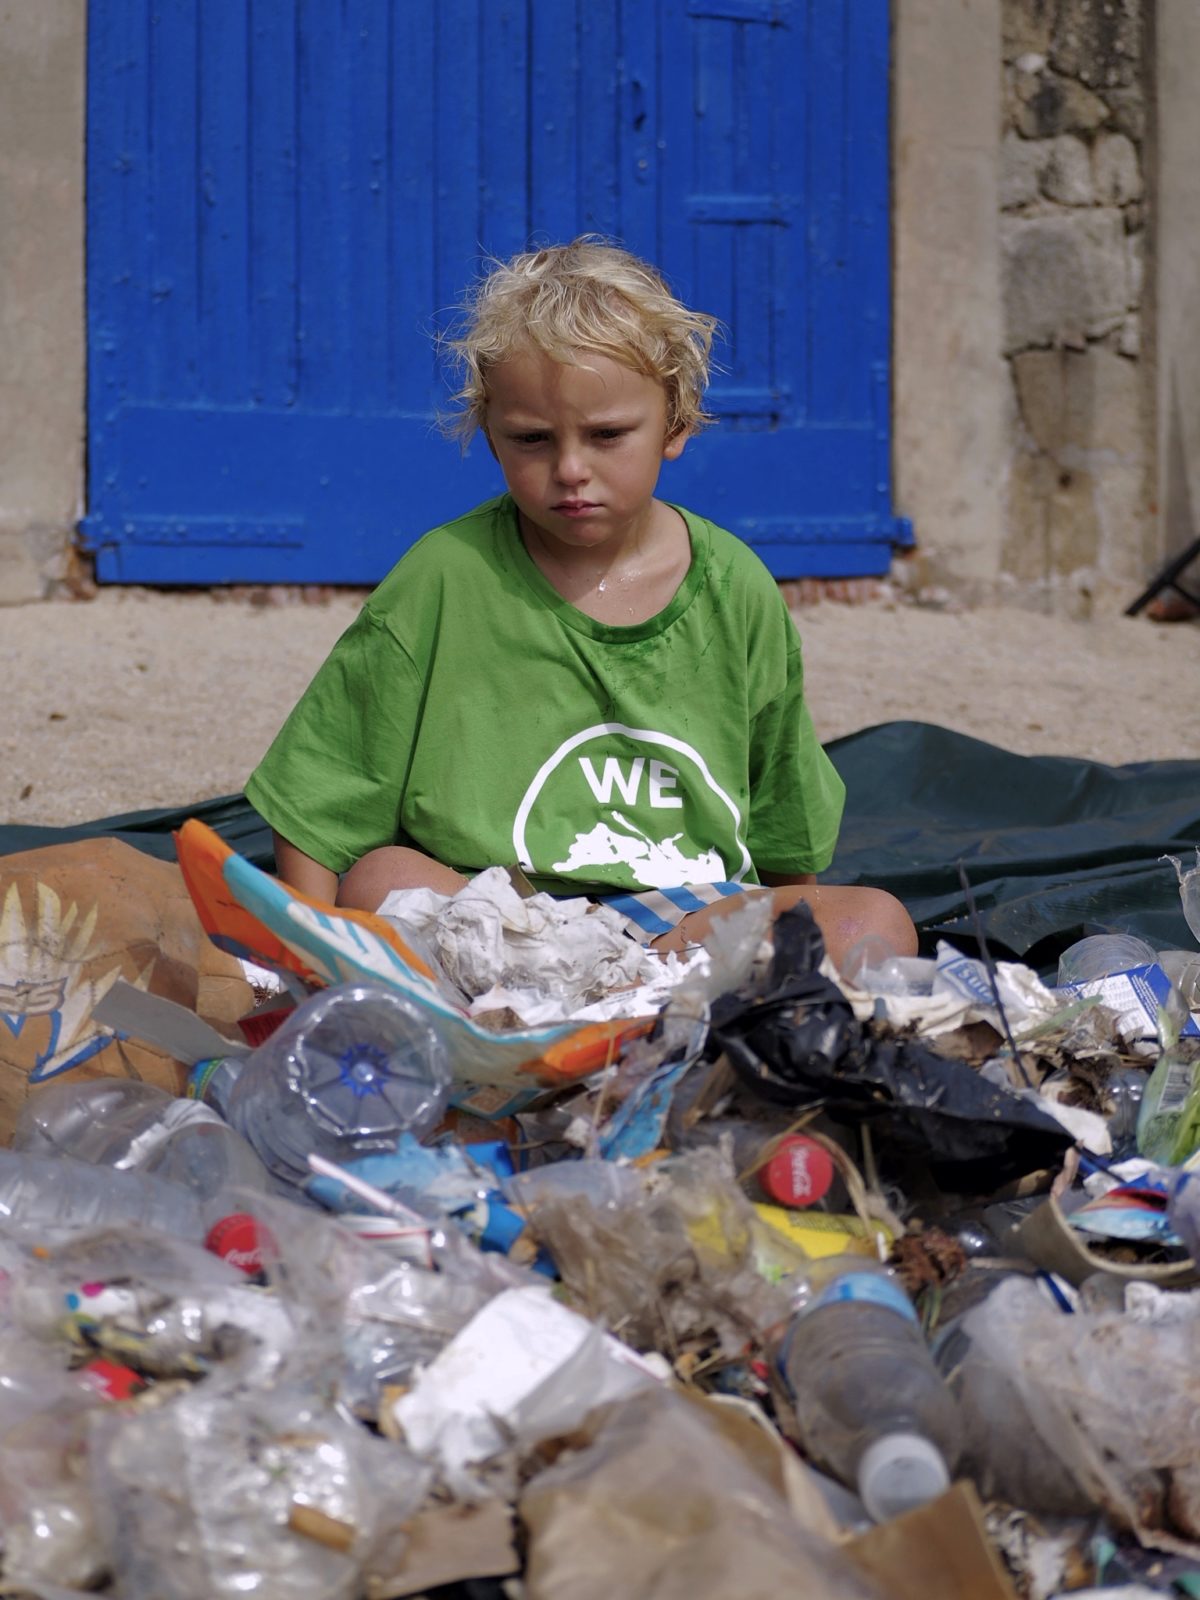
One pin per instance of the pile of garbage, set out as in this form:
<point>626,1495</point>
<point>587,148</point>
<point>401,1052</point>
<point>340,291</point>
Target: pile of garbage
<point>489,1256</point>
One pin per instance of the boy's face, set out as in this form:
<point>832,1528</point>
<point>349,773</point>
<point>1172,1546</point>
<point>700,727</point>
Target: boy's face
<point>580,447</point>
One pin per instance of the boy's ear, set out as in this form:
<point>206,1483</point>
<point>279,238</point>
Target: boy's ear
<point>673,448</point>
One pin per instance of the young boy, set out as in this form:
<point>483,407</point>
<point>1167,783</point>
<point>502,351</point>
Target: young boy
<point>575,677</point>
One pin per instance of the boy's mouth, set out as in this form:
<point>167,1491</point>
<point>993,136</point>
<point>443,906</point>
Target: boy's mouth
<point>574,508</point>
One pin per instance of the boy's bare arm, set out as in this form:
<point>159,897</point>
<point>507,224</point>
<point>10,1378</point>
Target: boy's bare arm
<point>301,872</point>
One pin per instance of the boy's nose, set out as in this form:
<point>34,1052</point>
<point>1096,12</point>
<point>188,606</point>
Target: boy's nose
<point>571,468</point>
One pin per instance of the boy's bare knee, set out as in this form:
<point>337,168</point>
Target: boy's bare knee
<point>847,914</point>
<point>880,912</point>
<point>373,877</point>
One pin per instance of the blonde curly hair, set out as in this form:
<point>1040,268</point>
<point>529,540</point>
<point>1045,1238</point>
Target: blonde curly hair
<point>568,299</point>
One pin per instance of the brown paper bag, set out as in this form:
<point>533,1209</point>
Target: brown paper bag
<point>73,919</point>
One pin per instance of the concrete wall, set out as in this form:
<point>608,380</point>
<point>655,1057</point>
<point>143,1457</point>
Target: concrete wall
<point>41,289</point>
<point>1175,200</point>
<point>949,382</point>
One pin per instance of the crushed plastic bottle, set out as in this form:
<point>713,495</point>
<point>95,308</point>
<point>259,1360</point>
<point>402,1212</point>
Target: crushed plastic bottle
<point>869,1402</point>
<point>351,1069</point>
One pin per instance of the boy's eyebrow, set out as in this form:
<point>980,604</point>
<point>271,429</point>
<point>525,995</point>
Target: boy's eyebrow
<point>526,424</point>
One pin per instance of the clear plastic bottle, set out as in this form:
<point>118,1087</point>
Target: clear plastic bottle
<point>135,1127</point>
<point>55,1191</point>
<point>869,1403</point>
<point>349,1071</point>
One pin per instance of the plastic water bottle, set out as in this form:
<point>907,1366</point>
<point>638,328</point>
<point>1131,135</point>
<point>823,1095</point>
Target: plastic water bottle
<point>131,1126</point>
<point>351,1069</point>
<point>869,1403</point>
<point>55,1191</point>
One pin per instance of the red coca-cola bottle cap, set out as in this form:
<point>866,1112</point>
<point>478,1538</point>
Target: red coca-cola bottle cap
<point>798,1174</point>
<point>240,1240</point>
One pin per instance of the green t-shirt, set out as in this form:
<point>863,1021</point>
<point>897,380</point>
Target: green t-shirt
<point>473,712</point>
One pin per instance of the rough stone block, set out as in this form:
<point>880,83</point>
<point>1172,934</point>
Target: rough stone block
<point>1065,278</point>
<point>1024,554</point>
<point>1067,177</point>
<point>1075,402</point>
<point>1027,26</point>
<point>1098,41</point>
<point>1021,165</point>
<point>1130,341</point>
<point>1045,105</point>
<point>1074,533</point>
<point>1116,171</point>
<point>1128,107</point>
<point>1135,256</point>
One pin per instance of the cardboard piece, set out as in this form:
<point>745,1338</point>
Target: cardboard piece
<point>450,1544</point>
<point>657,1497</point>
<point>938,1552</point>
<point>74,920</point>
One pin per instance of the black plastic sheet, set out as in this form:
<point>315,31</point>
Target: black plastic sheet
<point>798,1044</point>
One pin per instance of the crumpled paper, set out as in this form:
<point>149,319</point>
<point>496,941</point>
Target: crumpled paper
<point>524,1369</point>
<point>526,955</point>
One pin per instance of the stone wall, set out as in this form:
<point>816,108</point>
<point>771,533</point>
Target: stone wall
<point>1079,515</point>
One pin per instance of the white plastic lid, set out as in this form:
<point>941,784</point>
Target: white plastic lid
<point>899,1472</point>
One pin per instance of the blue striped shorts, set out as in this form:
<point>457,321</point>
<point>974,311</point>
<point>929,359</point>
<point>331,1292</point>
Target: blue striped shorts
<point>652,912</point>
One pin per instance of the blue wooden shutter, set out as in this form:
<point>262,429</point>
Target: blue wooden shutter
<point>287,197</point>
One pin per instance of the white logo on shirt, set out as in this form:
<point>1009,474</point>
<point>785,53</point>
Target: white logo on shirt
<point>615,839</point>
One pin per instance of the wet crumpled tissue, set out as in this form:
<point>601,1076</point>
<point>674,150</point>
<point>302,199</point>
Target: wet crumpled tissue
<point>542,958</point>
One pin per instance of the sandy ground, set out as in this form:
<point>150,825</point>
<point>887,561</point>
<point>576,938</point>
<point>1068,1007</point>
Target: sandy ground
<point>137,699</point>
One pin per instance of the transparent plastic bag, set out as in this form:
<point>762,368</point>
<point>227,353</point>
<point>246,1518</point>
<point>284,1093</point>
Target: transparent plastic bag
<point>366,1313</point>
<point>165,1306</point>
<point>1097,1409</point>
<point>46,1522</point>
<point>664,1255</point>
<point>228,1490</point>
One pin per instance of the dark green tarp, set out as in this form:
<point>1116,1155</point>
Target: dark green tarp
<point>1054,847</point>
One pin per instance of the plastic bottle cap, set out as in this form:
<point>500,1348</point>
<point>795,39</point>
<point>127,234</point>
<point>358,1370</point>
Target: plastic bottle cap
<point>899,1472</point>
<point>239,1240</point>
<point>798,1174</point>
